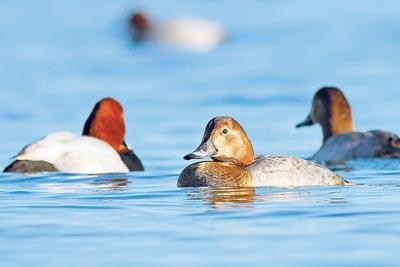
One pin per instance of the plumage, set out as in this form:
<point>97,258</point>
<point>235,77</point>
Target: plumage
<point>353,145</point>
<point>188,32</point>
<point>289,171</point>
<point>234,163</point>
<point>70,153</point>
<point>191,33</point>
<point>100,149</point>
<point>332,111</point>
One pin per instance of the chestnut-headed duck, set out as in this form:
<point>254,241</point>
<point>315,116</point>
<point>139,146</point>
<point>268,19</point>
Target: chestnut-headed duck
<point>234,164</point>
<point>190,33</point>
<point>332,111</point>
<point>100,149</point>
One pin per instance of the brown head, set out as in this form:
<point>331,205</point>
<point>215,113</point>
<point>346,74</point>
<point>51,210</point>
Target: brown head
<point>139,25</point>
<point>225,140</point>
<point>106,122</point>
<point>332,111</point>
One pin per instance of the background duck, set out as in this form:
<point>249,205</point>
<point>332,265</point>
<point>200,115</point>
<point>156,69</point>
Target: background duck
<point>332,111</point>
<point>234,163</point>
<point>188,32</point>
<point>100,149</point>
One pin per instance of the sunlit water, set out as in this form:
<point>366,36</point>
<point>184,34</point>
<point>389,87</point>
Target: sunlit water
<point>59,58</point>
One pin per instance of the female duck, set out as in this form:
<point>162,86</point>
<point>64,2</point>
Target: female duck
<point>234,163</point>
<point>101,148</point>
<point>332,111</point>
<point>190,33</point>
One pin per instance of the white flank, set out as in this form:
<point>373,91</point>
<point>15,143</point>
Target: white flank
<point>191,33</point>
<point>291,171</point>
<point>74,154</point>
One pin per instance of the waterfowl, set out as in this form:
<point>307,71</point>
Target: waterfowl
<point>100,149</point>
<point>332,111</point>
<point>234,164</point>
<point>191,33</point>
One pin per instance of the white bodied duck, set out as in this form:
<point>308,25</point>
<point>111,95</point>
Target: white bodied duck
<point>332,111</point>
<point>191,33</point>
<point>234,164</point>
<point>101,148</point>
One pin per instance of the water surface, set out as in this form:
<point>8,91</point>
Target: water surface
<point>59,58</point>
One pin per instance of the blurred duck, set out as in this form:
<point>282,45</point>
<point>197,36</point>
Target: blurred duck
<point>332,111</point>
<point>101,148</point>
<point>234,164</point>
<point>190,33</point>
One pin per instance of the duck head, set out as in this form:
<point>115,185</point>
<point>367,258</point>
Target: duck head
<point>224,140</point>
<point>332,111</point>
<point>106,122</point>
<point>140,25</point>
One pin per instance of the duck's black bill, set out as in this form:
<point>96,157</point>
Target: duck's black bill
<point>307,122</point>
<point>192,156</point>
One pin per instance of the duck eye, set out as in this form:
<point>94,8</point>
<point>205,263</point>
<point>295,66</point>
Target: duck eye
<point>225,131</point>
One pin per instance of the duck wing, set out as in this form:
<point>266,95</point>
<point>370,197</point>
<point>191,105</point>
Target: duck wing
<point>291,171</point>
<point>74,154</point>
<point>359,145</point>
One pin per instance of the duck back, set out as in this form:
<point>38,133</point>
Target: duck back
<point>192,33</point>
<point>72,154</point>
<point>291,171</point>
<point>353,145</point>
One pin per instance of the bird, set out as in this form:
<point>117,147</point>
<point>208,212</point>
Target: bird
<point>235,165</point>
<point>100,149</point>
<point>191,33</point>
<point>332,111</point>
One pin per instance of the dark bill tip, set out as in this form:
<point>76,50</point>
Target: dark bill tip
<point>307,122</point>
<point>194,155</point>
<point>190,156</point>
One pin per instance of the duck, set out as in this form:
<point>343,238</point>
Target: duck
<point>332,111</point>
<point>234,164</point>
<point>100,149</point>
<point>191,33</point>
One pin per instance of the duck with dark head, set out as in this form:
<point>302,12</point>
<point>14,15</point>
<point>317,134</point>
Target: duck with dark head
<point>331,110</point>
<point>101,148</point>
<point>140,26</point>
<point>106,122</point>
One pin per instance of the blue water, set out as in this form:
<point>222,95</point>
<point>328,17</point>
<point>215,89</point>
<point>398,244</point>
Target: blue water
<point>60,57</point>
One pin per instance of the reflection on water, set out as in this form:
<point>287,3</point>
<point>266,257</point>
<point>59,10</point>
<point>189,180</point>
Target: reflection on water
<point>338,166</point>
<point>245,197</point>
<point>112,184</point>
<point>367,164</point>
<point>86,184</point>
<point>225,197</point>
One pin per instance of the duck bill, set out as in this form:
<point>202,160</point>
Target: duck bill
<point>307,122</point>
<point>205,149</point>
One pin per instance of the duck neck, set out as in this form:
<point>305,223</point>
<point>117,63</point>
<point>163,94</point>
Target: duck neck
<point>244,156</point>
<point>332,111</point>
<point>342,124</point>
<point>226,174</point>
<point>108,127</point>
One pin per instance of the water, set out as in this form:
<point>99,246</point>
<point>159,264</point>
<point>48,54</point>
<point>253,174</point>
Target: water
<point>59,58</point>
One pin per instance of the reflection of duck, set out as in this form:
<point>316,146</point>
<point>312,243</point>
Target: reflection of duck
<point>112,184</point>
<point>191,33</point>
<point>244,197</point>
<point>332,111</point>
<point>101,149</point>
<point>225,197</point>
<point>100,184</point>
<point>234,163</point>
<point>232,195</point>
